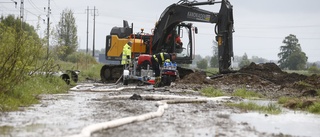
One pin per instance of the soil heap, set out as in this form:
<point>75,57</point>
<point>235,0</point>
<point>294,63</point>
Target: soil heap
<point>264,76</point>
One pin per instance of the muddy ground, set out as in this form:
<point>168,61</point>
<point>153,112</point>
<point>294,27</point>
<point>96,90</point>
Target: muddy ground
<point>67,114</point>
<point>267,79</point>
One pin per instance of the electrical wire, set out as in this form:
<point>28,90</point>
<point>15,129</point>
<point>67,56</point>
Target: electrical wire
<point>34,6</point>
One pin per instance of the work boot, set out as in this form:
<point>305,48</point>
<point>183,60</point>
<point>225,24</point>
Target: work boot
<point>157,82</point>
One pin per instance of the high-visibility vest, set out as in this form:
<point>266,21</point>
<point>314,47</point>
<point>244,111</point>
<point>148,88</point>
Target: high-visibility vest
<point>126,52</point>
<point>162,56</point>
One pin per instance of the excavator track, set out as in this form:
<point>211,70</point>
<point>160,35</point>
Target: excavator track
<point>111,73</point>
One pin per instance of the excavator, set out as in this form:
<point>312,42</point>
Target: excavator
<point>176,20</point>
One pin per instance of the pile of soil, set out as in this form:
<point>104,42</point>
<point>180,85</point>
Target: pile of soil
<point>271,72</point>
<point>266,77</point>
<point>198,77</point>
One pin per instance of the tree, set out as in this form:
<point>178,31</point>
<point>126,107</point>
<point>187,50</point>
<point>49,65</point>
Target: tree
<point>202,64</point>
<point>196,59</point>
<point>214,61</point>
<point>21,52</point>
<point>291,55</point>
<point>66,34</point>
<point>245,61</point>
<point>257,59</point>
<point>314,69</point>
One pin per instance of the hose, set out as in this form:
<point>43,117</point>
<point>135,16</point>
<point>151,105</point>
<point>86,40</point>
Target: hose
<point>162,105</point>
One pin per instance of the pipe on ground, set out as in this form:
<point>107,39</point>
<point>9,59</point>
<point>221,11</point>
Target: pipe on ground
<point>162,105</point>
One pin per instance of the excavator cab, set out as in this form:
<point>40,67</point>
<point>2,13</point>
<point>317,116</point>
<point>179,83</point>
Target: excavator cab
<point>180,40</point>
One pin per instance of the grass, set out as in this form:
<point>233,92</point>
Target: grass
<point>93,72</point>
<point>244,93</point>
<point>87,70</point>
<point>249,106</point>
<point>211,92</point>
<point>311,104</point>
<point>211,71</point>
<point>304,85</point>
<point>27,92</point>
<point>315,108</point>
<point>302,72</point>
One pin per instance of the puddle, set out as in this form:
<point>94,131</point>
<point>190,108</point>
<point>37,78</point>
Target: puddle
<point>289,122</point>
<point>67,114</point>
<point>57,115</point>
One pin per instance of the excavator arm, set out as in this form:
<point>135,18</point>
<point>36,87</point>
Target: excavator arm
<point>188,11</point>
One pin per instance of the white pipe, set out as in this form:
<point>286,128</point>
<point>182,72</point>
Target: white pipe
<point>162,105</point>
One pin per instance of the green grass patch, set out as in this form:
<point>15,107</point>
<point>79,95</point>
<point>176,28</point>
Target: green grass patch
<point>87,70</point>
<point>303,72</point>
<point>283,100</point>
<point>27,92</point>
<point>211,71</point>
<point>315,108</point>
<point>211,92</point>
<point>311,105</point>
<point>303,85</point>
<point>93,72</point>
<point>271,108</point>
<point>244,93</point>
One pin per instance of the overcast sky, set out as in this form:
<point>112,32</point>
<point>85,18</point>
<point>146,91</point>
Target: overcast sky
<point>260,25</point>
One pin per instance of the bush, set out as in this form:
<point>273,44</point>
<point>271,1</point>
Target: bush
<point>79,57</point>
<point>27,92</point>
<point>202,64</point>
<point>21,53</point>
<point>314,70</point>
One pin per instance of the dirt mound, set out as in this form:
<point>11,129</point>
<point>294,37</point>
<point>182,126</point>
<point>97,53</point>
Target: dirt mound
<point>257,68</point>
<point>271,72</point>
<point>198,77</point>
<point>266,77</point>
<point>313,80</point>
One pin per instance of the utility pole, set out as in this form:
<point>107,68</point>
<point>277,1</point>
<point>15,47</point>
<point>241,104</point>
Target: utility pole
<point>87,28</point>
<point>94,29</point>
<point>21,11</point>
<point>48,27</point>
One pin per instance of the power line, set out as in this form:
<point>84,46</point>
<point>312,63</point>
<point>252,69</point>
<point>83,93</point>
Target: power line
<point>94,23</point>
<point>34,6</point>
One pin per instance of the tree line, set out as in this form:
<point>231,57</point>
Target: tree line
<point>291,57</point>
<point>23,53</point>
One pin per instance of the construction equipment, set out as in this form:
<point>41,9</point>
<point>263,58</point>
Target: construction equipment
<point>175,17</point>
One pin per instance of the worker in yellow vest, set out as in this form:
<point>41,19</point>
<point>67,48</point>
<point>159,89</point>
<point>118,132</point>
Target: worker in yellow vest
<point>157,60</point>
<point>126,54</point>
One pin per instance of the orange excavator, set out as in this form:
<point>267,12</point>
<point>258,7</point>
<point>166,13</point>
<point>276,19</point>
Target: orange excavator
<point>177,20</point>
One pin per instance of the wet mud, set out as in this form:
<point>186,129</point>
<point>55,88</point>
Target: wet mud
<point>67,114</point>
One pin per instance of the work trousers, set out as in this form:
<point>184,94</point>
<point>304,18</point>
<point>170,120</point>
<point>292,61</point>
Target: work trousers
<point>155,67</point>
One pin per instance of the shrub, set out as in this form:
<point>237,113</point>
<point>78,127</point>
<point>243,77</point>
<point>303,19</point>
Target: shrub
<point>314,70</point>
